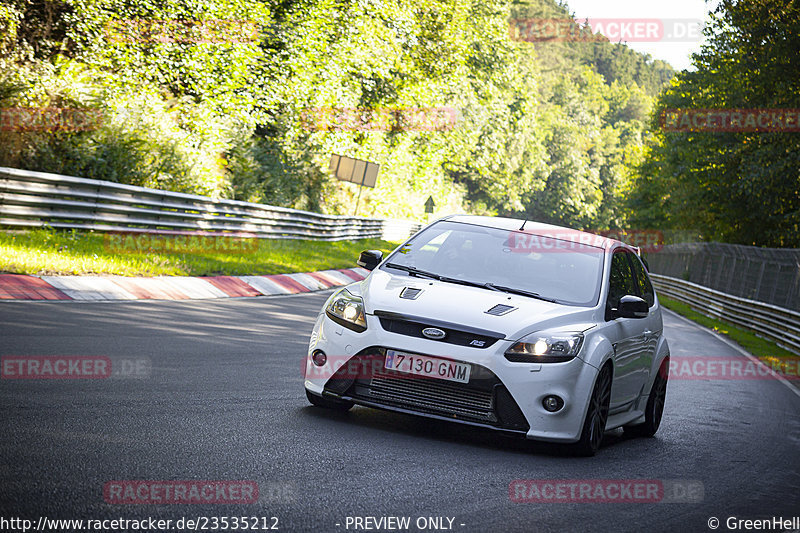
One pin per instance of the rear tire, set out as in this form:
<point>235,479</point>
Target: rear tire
<point>654,410</point>
<point>596,415</point>
<point>328,403</point>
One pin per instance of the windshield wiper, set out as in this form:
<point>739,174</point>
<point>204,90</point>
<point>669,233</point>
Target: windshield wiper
<point>490,286</point>
<point>521,292</point>
<point>414,271</point>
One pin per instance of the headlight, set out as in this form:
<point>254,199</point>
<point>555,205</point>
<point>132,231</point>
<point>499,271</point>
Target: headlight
<point>347,310</point>
<point>546,347</point>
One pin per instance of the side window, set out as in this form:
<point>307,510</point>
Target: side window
<point>643,280</point>
<point>621,281</point>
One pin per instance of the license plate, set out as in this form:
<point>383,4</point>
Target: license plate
<point>422,365</point>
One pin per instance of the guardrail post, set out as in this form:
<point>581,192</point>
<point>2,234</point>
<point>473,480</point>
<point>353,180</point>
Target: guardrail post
<point>758,283</point>
<point>795,286</point>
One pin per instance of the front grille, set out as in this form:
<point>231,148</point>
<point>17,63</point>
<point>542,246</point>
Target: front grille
<point>484,400</point>
<point>433,395</point>
<point>459,335</point>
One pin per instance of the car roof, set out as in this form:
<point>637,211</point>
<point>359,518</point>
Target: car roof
<point>537,228</point>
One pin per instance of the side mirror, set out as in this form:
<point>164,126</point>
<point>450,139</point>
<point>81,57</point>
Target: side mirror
<point>631,306</point>
<point>369,259</point>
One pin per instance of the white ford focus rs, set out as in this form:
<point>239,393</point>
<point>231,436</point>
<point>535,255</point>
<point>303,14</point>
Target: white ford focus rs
<point>505,324</point>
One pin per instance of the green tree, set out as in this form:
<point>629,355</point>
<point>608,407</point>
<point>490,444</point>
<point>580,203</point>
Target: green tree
<point>741,187</point>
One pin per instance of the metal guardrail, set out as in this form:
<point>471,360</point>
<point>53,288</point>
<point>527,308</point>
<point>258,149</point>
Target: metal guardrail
<point>769,321</point>
<point>770,275</point>
<point>35,199</point>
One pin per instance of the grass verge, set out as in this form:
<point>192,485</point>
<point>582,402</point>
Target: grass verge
<point>767,351</point>
<point>50,252</point>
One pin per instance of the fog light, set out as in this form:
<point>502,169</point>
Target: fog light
<point>552,403</point>
<point>319,357</point>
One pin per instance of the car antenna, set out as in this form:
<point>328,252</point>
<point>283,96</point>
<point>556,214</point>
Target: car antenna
<point>522,227</point>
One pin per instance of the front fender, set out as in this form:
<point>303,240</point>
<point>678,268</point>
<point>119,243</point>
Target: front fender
<point>597,350</point>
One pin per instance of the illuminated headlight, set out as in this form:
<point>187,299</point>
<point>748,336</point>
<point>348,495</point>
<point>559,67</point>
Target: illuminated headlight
<point>347,310</point>
<point>546,347</point>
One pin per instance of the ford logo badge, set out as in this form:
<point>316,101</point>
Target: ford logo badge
<point>434,333</point>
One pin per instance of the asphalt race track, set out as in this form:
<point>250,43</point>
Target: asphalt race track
<point>217,395</point>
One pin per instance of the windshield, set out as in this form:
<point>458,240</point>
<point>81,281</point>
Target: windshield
<point>480,255</point>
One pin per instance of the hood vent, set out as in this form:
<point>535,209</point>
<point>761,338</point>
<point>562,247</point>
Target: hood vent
<point>500,309</point>
<point>410,293</point>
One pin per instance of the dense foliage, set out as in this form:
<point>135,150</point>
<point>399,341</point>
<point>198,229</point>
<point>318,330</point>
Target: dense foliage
<point>214,97</point>
<point>733,186</point>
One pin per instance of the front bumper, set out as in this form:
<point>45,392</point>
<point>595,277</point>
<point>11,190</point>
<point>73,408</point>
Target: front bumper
<point>500,395</point>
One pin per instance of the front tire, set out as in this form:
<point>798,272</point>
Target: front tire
<point>596,416</point>
<point>328,403</point>
<point>654,410</point>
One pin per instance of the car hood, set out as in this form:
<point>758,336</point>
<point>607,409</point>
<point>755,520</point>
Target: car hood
<point>468,306</point>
